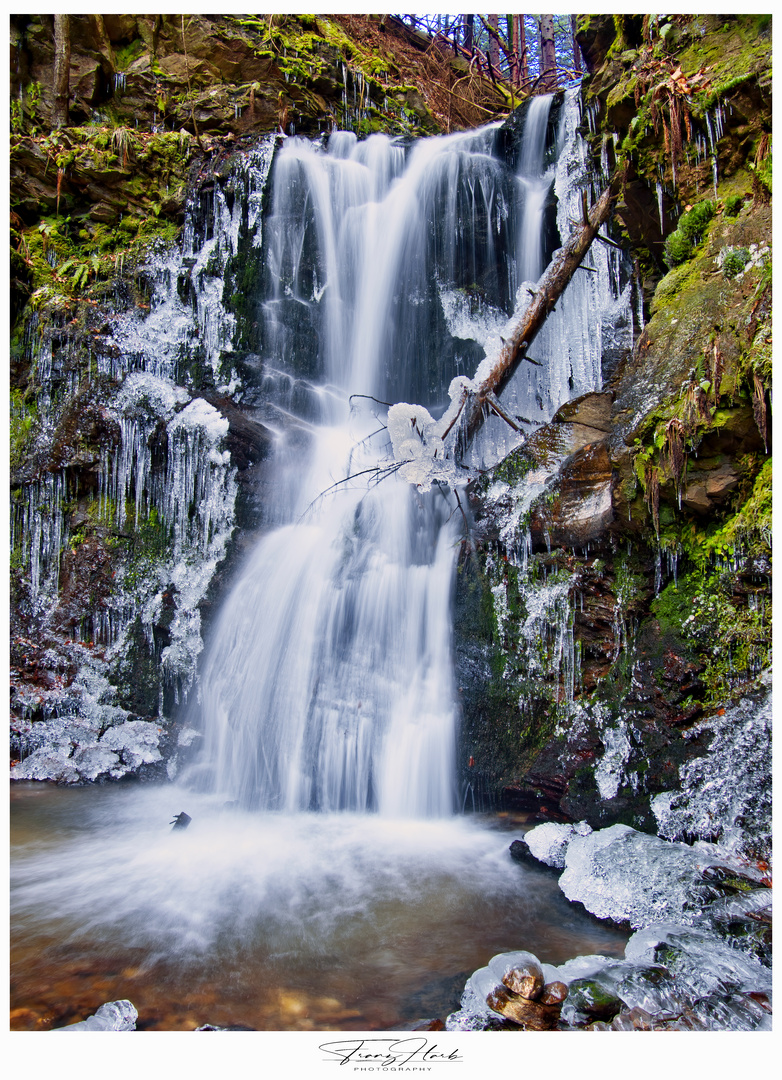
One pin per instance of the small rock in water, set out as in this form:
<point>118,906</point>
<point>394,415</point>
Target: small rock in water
<point>520,852</point>
<point>522,974</point>
<point>181,821</point>
<point>113,1016</point>
<point>428,1025</point>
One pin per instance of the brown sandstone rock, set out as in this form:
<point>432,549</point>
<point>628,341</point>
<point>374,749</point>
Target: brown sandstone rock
<point>529,1015</point>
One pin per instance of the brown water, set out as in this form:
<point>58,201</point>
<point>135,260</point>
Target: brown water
<point>272,922</point>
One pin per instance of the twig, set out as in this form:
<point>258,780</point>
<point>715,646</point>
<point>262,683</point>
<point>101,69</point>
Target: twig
<point>371,398</point>
<point>376,469</point>
<point>500,411</point>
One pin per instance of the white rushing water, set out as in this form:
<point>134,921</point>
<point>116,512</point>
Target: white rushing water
<point>328,681</point>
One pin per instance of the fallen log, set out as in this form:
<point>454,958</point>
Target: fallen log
<point>549,289</point>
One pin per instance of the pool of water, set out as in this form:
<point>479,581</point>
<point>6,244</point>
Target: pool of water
<point>266,921</point>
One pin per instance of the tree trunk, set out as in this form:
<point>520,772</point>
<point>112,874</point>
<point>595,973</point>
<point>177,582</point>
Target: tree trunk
<point>521,49</point>
<point>576,50</point>
<point>548,55</point>
<point>62,70</point>
<point>550,288</point>
<point>468,22</point>
<point>513,58</point>
<point>494,45</point>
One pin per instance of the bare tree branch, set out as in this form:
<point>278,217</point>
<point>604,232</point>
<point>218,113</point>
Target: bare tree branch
<point>550,288</point>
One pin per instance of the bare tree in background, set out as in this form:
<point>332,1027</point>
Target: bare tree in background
<point>62,70</point>
<point>521,48</point>
<point>576,50</point>
<point>548,54</point>
<point>468,21</point>
<point>494,45</point>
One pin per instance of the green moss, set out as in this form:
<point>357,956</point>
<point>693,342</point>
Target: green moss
<point>679,248</point>
<point>673,283</point>
<point>749,530</point>
<point>24,416</point>
<point>723,89</point>
<point>695,221</point>
<point>513,468</point>
<point>734,262</point>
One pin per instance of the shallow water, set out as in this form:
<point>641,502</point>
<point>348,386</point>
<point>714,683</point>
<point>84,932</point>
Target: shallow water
<point>270,921</point>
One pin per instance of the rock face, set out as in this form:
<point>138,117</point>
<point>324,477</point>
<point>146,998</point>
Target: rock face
<point>646,536</point>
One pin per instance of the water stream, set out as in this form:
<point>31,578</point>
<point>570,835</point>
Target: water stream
<point>325,879</point>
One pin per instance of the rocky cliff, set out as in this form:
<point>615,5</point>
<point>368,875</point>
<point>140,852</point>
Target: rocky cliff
<point>649,548</point>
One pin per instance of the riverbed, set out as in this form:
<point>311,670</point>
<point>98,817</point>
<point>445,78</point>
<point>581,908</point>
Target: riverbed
<point>263,920</point>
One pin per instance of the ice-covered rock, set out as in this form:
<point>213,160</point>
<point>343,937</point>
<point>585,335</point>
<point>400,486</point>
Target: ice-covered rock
<point>702,964</point>
<point>628,876</point>
<point>520,971</point>
<point>673,977</point>
<point>549,842</point>
<point>726,793</point>
<point>113,1016</point>
<point>136,740</point>
<point>72,750</point>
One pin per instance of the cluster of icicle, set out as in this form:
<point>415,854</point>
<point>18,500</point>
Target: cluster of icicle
<point>170,466</point>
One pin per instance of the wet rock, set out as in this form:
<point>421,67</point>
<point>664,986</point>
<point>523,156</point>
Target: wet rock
<point>591,410</point>
<point>554,993</point>
<point>520,852</point>
<point>528,1015</point>
<point>113,1016</point>
<point>695,498</point>
<point>721,482</point>
<point>520,972</point>
<point>582,506</point>
<point>428,1025</point>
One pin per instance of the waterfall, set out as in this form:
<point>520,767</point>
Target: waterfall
<point>327,683</point>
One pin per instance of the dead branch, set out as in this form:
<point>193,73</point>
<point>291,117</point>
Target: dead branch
<point>549,289</point>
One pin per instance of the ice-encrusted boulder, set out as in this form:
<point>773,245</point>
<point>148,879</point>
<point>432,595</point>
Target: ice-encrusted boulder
<point>74,751</point>
<point>549,842</point>
<point>113,1016</point>
<point>628,876</point>
<point>699,960</point>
